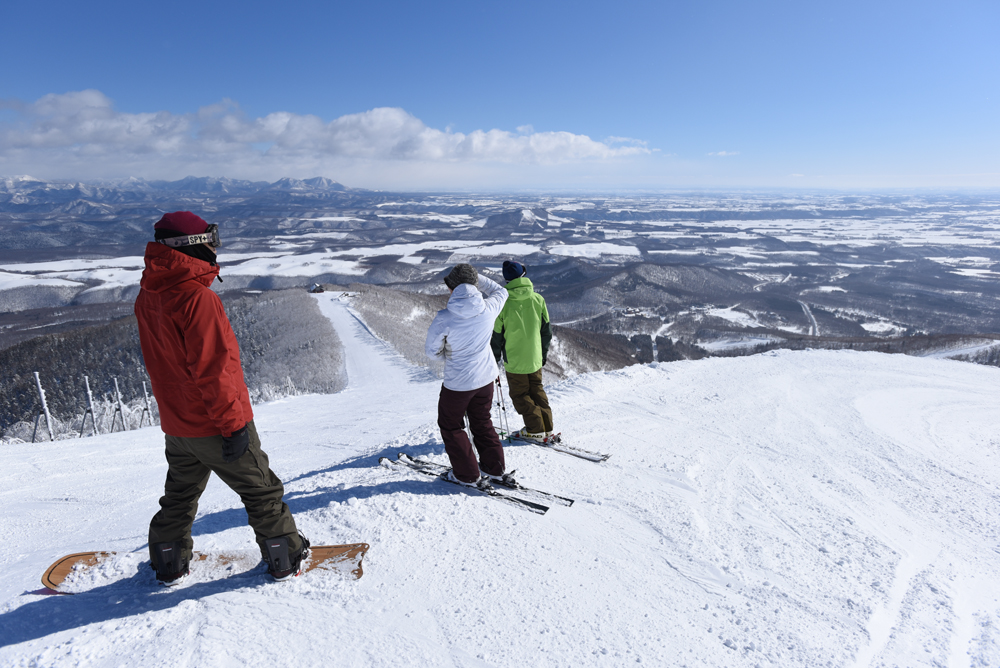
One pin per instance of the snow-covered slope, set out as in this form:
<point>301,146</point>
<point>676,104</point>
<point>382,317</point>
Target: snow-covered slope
<point>789,509</point>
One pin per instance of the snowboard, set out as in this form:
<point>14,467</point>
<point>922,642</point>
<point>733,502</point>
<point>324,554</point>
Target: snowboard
<point>341,558</point>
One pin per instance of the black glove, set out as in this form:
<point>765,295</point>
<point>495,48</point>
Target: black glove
<point>235,445</point>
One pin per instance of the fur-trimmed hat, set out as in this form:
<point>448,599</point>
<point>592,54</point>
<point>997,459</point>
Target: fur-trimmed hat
<point>461,273</point>
<point>512,270</point>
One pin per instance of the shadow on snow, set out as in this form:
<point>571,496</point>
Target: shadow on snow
<point>140,594</point>
<point>130,597</point>
<point>323,497</point>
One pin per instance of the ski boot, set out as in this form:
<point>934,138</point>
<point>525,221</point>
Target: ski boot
<point>505,479</point>
<point>481,484</point>
<point>526,435</point>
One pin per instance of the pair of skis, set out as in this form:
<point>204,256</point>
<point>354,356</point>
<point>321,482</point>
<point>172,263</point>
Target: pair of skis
<point>555,442</point>
<point>552,441</point>
<point>510,492</point>
<point>505,491</point>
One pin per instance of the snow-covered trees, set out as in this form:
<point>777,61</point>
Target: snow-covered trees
<point>286,347</point>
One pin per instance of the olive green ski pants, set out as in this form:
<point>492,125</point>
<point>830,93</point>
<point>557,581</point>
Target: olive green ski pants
<point>191,461</point>
<point>530,400</point>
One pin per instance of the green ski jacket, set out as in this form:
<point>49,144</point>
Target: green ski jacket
<point>521,334</point>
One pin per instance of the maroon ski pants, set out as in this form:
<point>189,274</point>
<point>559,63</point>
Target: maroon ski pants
<point>452,408</point>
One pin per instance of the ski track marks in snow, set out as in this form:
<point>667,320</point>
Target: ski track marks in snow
<point>788,509</point>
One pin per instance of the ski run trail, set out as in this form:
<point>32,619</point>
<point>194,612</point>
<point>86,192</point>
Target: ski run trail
<point>809,508</point>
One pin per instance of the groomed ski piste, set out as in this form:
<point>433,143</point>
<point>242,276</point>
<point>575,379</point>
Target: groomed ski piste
<point>808,508</point>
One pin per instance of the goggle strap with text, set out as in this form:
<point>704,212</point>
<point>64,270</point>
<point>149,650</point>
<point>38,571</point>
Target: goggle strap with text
<point>210,237</point>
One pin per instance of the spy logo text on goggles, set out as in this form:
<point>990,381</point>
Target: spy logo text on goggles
<point>209,236</point>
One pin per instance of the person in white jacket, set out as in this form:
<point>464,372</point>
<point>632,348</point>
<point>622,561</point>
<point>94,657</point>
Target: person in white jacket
<point>460,335</point>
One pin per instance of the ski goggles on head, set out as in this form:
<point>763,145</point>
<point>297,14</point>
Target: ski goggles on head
<point>209,236</point>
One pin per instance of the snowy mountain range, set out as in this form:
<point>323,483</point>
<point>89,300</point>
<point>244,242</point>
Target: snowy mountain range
<point>30,187</point>
<point>722,271</point>
<point>630,278</point>
<point>816,508</point>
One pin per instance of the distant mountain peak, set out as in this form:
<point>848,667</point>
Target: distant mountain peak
<point>213,185</point>
<point>12,182</point>
<point>316,183</point>
<point>287,183</point>
<point>325,183</point>
<point>522,219</point>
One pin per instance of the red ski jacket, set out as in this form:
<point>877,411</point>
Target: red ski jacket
<point>189,347</point>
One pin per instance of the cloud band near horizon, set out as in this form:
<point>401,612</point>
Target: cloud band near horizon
<point>84,128</point>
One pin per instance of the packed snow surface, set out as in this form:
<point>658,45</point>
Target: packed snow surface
<point>9,281</point>
<point>594,250</point>
<point>809,508</point>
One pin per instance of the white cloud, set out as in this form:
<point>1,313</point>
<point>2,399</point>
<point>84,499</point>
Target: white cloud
<point>86,120</point>
<point>724,154</point>
<point>83,131</point>
<point>626,140</point>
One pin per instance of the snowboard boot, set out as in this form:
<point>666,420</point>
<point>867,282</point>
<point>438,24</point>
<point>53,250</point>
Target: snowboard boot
<point>283,565</point>
<point>169,562</point>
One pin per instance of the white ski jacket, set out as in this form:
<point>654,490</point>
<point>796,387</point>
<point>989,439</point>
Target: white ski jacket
<point>461,333</point>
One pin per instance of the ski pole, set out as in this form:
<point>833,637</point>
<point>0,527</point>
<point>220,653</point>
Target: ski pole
<point>467,425</point>
<point>497,408</point>
<point>502,403</point>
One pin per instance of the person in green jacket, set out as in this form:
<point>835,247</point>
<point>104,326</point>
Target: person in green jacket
<point>521,337</point>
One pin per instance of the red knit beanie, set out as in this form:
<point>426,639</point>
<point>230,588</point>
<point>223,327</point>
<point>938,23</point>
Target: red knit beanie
<point>183,222</point>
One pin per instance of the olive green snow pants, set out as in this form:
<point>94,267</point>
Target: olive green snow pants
<point>190,461</point>
<point>530,401</point>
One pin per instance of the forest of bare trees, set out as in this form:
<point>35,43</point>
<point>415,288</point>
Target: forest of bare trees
<point>286,347</point>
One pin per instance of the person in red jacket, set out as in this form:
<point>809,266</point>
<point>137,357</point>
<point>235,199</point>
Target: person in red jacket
<point>193,361</point>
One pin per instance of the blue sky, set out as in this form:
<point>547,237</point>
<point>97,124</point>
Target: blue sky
<point>579,95</point>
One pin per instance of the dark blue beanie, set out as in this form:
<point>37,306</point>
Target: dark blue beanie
<point>512,270</point>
